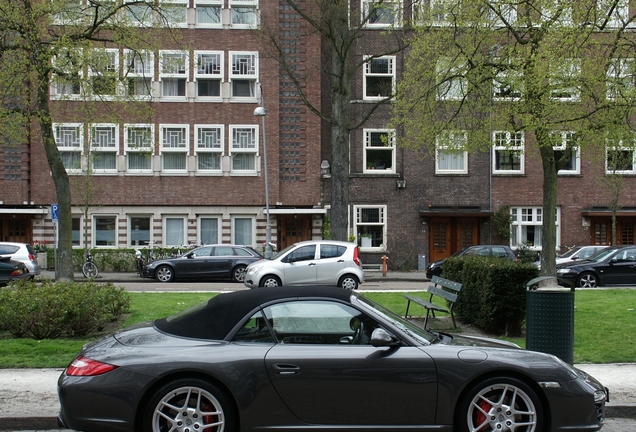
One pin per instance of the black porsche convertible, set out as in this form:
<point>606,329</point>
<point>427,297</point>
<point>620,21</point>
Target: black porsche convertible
<point>317,359</point>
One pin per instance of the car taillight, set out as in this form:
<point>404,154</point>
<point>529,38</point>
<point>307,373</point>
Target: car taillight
<point>356,257</point>
<point>17,272</point>
<point>83,366</point>
<point>32,257</point>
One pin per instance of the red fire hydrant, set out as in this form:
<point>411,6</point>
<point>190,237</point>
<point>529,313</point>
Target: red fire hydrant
<point>384,260</point>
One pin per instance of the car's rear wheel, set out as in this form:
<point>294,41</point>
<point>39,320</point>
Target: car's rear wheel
<point>349,282</point>
<point>189,405</point>
<point>587,280</point>
<point>238,274</point>
<point>164,273</point>
<point>500,404</point>
<point>270,282</point>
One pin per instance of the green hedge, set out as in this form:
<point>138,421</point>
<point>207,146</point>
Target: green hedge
<point>58,310</point>
<point>493,297</point>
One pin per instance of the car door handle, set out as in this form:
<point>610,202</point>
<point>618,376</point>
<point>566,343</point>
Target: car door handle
<point>341,260</point>
<point>311,264</point>
<point>286,369</point>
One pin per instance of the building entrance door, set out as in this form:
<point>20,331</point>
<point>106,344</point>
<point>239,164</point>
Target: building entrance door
<point>292,229</point>
<point>448,235</point>
<point>16,229</point>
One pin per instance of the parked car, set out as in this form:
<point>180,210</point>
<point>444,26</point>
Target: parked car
<point>21,252</point>
<point>435,268</point>
<point>11,271</point>
<point>575,253</point>
<point>221,261</point>
<point>322,262</point>
<point>611,266</point>
<point>316,358</point>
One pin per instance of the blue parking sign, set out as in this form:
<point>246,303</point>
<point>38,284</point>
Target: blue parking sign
<point>54,212</point>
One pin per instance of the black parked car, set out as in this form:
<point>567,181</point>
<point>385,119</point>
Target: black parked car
<point>611,266</point>
<point>222,261</point>
<point>11,271</point>
<point>435,268</point>
<point>313,358</point>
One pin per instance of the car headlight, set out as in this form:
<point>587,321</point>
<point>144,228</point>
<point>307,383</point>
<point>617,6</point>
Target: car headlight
<point>254,269</point>
<point>563,270</point>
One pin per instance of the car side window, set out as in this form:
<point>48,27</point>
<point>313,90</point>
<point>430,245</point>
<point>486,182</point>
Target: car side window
<point>319,322</point>
<point>304,253</point>
<point>331,251</point>
<point>499,252</point>
<point>6,249</point>
<point>204,251</point>
<point>241,252</point>
<point>223,251</point>
<point>255,330</point>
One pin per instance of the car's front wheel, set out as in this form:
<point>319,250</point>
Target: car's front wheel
<point>500,404</point>
<point>587,280</point>
<point>238,274</point>
<point>349,282</point>
<point>270,282</point>
<point>164,273</point>
<point>189,405</point>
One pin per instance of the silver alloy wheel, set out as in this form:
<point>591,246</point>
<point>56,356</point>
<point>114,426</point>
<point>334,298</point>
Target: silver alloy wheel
<point>270,282</point>
<point>348,282</point>
<point>188,409</point>
<point>164,274</point>
<point>502,407</point>
<point>587,280</point>
<point>239,273</point>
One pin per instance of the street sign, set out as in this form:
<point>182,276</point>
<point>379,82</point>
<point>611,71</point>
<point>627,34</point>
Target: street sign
<point>54,212</point>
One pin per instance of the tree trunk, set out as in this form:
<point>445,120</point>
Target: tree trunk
<point>548,231</point>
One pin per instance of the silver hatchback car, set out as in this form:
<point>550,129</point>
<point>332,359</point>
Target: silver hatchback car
<point>21,252</point>
<point>321,262</point>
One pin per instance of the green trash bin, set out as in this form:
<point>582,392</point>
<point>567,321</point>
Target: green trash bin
<point>550,318</point>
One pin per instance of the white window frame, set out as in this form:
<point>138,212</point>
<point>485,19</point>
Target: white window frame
<point>167,146</point>
<point>242,148</point>
<point>198,4</point>
<point>176,5</point>
<point>370,73</point>
<point>620,14</point>
<point>358,216</point>
<point>148,17</point>
<point>621,148</point>
<point>133,71</point>
<point>388,147</point>
<point>166,72</point>
<point>80,231</point>
<point>203,73</point>
<point>71,14</point>
<point>253,227</point>
<point>443,18</point>
<point>449,144</point>
<point>507,79</point>
<point>167,220</point>
<point>248,4</point>
<point>506,8</point>
<point>130,229</point>
<point>560,73</point>
<point>566,138</point>
<point>76,146</point>
<point>57,82</point>
<point>450,87</point>
<point>94,231</point>
<point>565,19</point>
<point>209,139</point>
<point>530,218</point>
<point>108,146</point>
<point>620,78</point>
<point>391,6</point>
<point>240,70</point>
<point>112,71</point>
<point>135,148</point>
<point>509,142</point>
<point>219,228</point>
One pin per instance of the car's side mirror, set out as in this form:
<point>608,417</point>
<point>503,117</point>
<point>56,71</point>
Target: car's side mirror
<point>190,255</point>
<point>382,338</point>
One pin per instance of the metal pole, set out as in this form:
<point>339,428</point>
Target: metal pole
<point>260,111</point>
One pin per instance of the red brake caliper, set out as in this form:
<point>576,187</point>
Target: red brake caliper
<point>480,418</point>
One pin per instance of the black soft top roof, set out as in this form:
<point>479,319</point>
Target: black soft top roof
<point>216,318</point>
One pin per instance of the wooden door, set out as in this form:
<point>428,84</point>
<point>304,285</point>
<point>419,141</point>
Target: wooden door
<point>16,229</point>
<point>440,239</point>
<point>292,229</point>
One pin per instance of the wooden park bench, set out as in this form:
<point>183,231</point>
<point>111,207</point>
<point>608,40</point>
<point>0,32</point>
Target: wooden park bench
<point>444,288</point>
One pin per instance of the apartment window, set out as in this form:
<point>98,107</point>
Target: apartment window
<point>71,13</point>
<point>381,13</point>
<point>619,160</point>
<point>104,142</point>
<point>244,13</point>
<point>243,74</point>
<point>370,226</point>
<point>103,72</point>
<point>443,12</point>
<point>77,234</point>
<point>379,77</point>
<point>174,148</point>
<point>139,14</point>
<point>208,12</point>
<point>209,147</point>
<point>526,225</point>
<point>620,78</point>
<point>452,84</point>
<point>209,229</point>
<point>69,138</point>
<point>612,13</point>
<point>502,12</point>
<point>139,234</point>
<point>508,84</point>
<point>508,152</point>
<point>173,74</point>
<point>139,143</point>
<point>564,80</point>
<point>104,231</point>
<point>243,230</point>
<point>379,150</point>
<point>209,74</point>
<point>244,148</point>
<point>174,230</point>
<point>558,11</point>
<point>139,72</point>
<point>175,12</point>
<point>565,140</point>
<point>450,153</point>
<point>66,82</point>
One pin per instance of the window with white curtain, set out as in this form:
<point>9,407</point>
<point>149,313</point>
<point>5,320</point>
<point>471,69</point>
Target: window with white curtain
<point>174,231</point>
<point>139,144</point>
<point>208,75</point>
<point>139,72</point>
<point>508,152</point>
<point>243,74</point>
<point>243,230</point>
<point>208,13</point>
<point>209,147</point>
<point>450,152</point>
<point>244,148</point>
<point>209,229</point>
<point>174,70</point>
<point>379,151</point>
<point>174,148</point>
<point>69,138</point>
<point>104,145</point>
<point>244,13</point>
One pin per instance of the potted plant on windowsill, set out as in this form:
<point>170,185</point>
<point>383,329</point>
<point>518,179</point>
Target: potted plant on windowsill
<point>365,240</point>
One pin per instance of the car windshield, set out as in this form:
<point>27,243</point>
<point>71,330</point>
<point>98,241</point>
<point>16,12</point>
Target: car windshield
<point>602,255</point>
<point>570,252</point>
<point>413,330</point>
<point>283,252</point>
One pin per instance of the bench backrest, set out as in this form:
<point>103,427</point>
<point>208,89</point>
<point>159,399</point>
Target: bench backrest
<point>452,291</point>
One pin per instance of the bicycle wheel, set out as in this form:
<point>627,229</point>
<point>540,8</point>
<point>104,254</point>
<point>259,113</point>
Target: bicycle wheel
<point>90,270</point>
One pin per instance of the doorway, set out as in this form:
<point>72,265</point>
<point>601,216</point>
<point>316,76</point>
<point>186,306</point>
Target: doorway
<point>292,229</point>
<point>16,228</point>
<point>450,234</point>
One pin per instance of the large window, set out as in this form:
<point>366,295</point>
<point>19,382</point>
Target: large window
<point>69,138</point>
<point>379,150</point>
<point>443,12</point>
<point>620,160</point>
<point>502,12</point>
<point>379,77</point>
<point>209,74</point>
<point>243,230</point>
<point>139,14</point>
<point>209,229</point>
<point>526,225</point>
<point>563,141</point>
<point>244,13</point>
<point>508,84</point>
<point>208,12</point>
<point>173,75</point>
<point>244,148</point>
<point>209,147</point>
<point>508,152</point>
<point>450,153</point>
<point>564,80</point>
<point>77,234</point>
<point>139,142</point>
<point>558,11</point>
<point>174,148</point>
<point>103,73</point>
<point>139,230</point>
<point>174,233</point>
<point>105,231</point>
<point>175,12</point>
<point>66,82</point>
<point>452,84</point>
<point>612,13</point>
<point>620,79</point>
<point>243,74</point>
<point>139,73</point>
<point>370,226</point>
<point>104,141</point>
<point>381,13</point>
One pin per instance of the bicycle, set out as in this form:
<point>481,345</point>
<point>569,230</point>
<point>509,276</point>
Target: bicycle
<point>89,268</point>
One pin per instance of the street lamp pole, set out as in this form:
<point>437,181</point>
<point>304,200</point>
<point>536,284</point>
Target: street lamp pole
<point>260,112</point>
